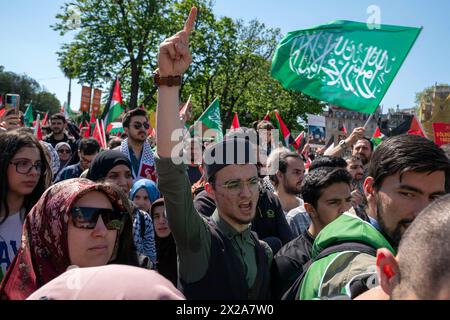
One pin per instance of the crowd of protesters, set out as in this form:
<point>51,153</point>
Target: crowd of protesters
<point>261,223</point>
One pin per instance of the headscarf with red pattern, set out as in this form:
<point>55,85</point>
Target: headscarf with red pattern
<point>44,252</point>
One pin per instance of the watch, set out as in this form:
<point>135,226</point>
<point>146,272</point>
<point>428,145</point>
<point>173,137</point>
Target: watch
<point>343,144</point>
<point>169,81</point>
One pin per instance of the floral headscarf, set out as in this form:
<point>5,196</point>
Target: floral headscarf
<point>44,252</point>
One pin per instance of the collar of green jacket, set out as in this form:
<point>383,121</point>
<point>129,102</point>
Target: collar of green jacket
<point>349,228</point>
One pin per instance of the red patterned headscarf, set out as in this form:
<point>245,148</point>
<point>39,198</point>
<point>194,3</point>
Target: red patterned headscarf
<point>44,252</point>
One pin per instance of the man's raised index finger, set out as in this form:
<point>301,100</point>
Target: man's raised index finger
<point>189,25</point>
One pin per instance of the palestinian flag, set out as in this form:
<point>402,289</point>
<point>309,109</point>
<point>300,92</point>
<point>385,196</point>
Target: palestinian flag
<point>267,116</point>
<point>377,137</point>
<point>343,129</point>
<point>409,126</point>
<point>298,140</point>
<point>37,128</point>
<point>416,128</point>
<point>114,108</point>
<point>210,121</point>
<point>114,128</point>
<point>235,123</point>
<point>92,123</point>
<point>98,134</point>
<point>44,121</point>
<point>285,133</point>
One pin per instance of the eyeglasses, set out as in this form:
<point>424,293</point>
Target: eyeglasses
<point>86,217</point>
<point>138,125</point>
<point>25,166</point>
<point>235,186</point>
<point>65,151</point>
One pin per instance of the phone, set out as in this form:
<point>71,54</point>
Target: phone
<point>12,101</point>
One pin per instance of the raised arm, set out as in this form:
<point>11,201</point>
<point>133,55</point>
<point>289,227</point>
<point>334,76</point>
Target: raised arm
<point>338,151</point>
<point>173,60</point>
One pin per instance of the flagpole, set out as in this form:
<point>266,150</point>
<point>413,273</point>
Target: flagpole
<point>104,132</point>
<point>36,125</point>
<point>186,105</point>
<point>368,120</point>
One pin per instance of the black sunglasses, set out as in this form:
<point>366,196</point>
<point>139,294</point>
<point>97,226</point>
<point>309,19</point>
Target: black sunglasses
<point>138,125</point>
<point>64,151</point>
<point>86,217</point>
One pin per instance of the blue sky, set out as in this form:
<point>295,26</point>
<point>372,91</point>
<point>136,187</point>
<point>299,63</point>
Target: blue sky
<point>29,45</point>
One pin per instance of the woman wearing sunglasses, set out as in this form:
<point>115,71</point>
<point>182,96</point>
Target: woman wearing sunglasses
<point>24,176</point>
<point>75,222</point>
<point>64,154</point>
<point>114,167</point>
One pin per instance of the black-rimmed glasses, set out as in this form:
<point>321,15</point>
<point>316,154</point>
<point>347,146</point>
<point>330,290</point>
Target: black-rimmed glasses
<point>25,166</point>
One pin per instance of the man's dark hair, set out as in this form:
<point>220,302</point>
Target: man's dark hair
<point>115,142</point>
<point>328,161</point>
<point>58,116</point>
<point>424,256</point>
<point>132,113</point>
<point>405,153</point>
<point>283,165</point>
<point>321,178</point>
<point>368,140</point>
<point>89,146</point>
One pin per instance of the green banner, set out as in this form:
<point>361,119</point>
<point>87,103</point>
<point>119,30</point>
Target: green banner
<point>345,63</point>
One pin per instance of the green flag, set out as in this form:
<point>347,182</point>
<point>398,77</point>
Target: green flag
<point>28,116</point>
<point>348,64</point>
<point>210,120</point>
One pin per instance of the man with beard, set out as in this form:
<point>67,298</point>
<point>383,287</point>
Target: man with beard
<point>58,125</point>
<point>219,257</point>
<point>287,181</point>
<point>326,193</point>
<point>406,173</point>
<point>356,169</point>
<point>363,149</point>
<point>420,269</point>
<point>360,146</point>
<point>136,147</point>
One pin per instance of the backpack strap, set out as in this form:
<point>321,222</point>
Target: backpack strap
<point>291,293</point>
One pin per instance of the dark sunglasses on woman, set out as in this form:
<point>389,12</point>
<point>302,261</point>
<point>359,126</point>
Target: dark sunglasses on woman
<point>87,217</point>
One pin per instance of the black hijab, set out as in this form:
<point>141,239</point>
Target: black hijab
<point>166,252</point>
<point>104,162</point>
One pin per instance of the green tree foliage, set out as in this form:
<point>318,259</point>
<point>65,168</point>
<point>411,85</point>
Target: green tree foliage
<point>231,59</point>
<point>427,92</point>
<point>29,90</point>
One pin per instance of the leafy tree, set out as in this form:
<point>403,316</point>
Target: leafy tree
<point>115,37</point>
<point>231,59</point>
<point>29,90</point>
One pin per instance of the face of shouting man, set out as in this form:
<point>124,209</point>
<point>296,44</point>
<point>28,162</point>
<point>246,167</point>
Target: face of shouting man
<point>236,192</point>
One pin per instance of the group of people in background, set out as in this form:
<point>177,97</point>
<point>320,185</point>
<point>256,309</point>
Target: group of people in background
<point>355,223</point>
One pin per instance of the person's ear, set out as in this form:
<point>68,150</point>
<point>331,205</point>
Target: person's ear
<point>388,270</point>
<point>210,190</point>
<point>125,130</point>
<point>279,175</point>
<point>310,210</point>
